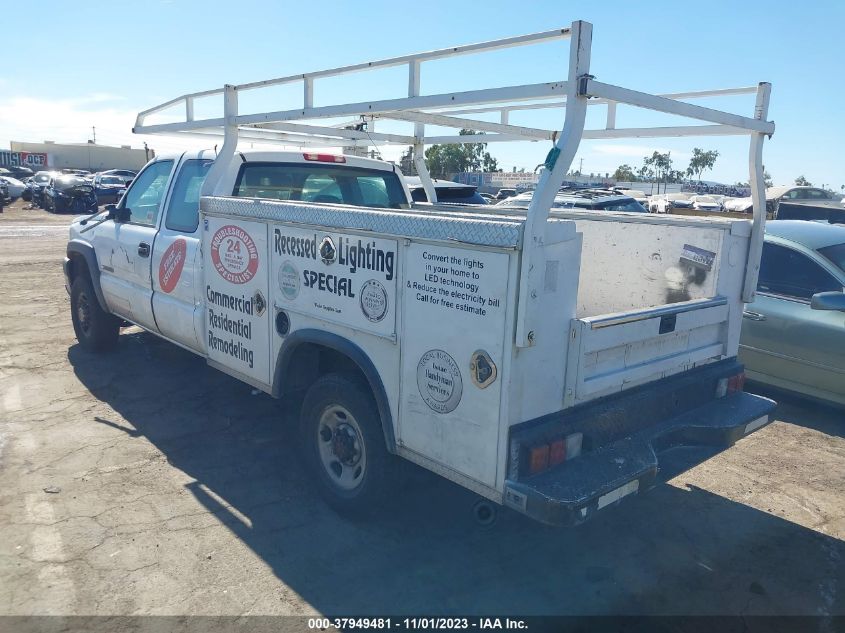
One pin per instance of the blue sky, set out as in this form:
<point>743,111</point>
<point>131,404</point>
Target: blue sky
<point>98,63</point>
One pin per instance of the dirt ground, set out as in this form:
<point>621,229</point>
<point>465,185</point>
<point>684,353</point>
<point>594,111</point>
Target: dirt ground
<point>144,482</point>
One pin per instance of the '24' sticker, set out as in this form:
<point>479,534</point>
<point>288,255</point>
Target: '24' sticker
<point>234,254</point>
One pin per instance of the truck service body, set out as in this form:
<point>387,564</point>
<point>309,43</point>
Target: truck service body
<point>555,362</point>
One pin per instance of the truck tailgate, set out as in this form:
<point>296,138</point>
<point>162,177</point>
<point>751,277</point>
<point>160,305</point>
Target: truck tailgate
<point>609,353</point>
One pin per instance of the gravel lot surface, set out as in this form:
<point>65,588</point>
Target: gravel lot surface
<point>144,482</point>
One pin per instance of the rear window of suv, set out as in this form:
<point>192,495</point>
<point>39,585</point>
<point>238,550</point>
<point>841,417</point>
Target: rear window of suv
<point>321,183</point>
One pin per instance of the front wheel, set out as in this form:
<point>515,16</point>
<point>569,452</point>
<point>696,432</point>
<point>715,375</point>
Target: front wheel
<point>96,330</point>
<point>344,445</point>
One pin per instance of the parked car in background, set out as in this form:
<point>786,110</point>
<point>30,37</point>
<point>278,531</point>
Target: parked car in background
<point>793,335</point>
<point>666,202</point>
<point>108,189</point>
<point>14,186</point>
<point>776,194</point>
<point>127,175</point>
<point>505,193</point>
<point>636,194</point>
<point>591,199</point>
<point>17,171</point>
<point>822,211</point>
<point>447,191</point>
<point>5,199</point>
<point>69,193</point>
<point>706,203</point>
<point>38,184</point>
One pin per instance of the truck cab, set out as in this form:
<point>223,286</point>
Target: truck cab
<point>145,253</point>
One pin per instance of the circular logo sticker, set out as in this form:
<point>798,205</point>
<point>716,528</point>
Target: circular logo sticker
<point>373,300</point>
<point>234,254</point>
<point>289,280</point>
<point>439,381</point>
<point>170,267</point>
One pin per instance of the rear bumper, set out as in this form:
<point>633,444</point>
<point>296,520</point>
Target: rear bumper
<point>575,491</point>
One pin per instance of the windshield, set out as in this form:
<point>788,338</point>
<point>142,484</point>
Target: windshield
<point>622,205</point>
<point>516,201</point>
<point>111,180</point>
<point>321,183</point>
<point>835,254</point>
<point>66,183</point>
<point>42,178</point>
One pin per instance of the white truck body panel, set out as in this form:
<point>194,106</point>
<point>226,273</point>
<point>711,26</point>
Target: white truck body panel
<point>484,328</point>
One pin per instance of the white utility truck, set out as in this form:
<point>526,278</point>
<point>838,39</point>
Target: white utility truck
<point>552,362</point>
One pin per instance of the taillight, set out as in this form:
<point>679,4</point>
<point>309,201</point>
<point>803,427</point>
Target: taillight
<point>733,384</point>
<point>556,451</point>
<point>324,158</point>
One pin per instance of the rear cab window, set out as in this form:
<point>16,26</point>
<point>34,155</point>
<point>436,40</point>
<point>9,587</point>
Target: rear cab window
<point>321,183</point>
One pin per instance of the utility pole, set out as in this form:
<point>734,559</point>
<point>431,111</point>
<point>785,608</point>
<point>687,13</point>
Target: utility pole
<point>94,131</point>
<point>581,167</point>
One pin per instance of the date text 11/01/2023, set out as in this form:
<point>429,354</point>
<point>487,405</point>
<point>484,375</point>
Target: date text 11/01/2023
<point>418,623</point>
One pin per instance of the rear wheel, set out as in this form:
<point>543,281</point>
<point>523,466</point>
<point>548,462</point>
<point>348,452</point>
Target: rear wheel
<point>96,330</point>
<point>344,445</point>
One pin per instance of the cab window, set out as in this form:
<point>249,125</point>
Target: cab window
<point>321,183</point>
<point>183,210</point>
<point>144,197</point>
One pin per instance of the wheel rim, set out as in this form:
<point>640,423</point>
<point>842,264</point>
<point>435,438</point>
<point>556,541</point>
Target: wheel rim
<point>341,447</point>
<point>83,312</point>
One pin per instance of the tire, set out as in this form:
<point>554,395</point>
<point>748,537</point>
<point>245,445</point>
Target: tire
<point>344,446</point>
<point>96,330</point>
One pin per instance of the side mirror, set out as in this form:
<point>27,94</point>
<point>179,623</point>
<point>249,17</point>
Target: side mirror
<point>119,215</point>
<point>828,301</point>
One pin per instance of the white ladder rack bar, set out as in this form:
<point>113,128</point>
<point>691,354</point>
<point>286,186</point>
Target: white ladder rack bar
<point>301,126</point>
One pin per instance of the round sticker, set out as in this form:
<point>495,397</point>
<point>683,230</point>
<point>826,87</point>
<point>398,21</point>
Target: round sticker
<point>439,381</point>
<point>234,254</point>
<point>373,300</point>
<point>170,267</point>
<point>289,280</point>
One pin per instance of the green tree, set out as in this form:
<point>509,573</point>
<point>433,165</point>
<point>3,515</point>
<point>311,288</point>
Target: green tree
<point>803,182</point>
<point>451,158</point>
<point>624,173</point>
<point>659,165</point>
<point>701,161</point>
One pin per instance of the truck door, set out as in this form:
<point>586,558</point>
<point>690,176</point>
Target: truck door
<point>177,262</point>
<point>124,248</point>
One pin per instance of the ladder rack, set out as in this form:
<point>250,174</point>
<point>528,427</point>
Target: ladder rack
<point>307,126</point>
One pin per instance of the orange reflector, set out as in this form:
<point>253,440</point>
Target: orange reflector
<point>324,158</point>
<point>539,458</point>
<point>557,452</point>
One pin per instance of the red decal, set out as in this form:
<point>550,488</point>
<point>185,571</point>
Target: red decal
<point>234,254</point>
<point>172,262</point>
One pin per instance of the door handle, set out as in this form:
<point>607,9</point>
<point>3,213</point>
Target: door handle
<point>753,316</point>
<point>144,249</point>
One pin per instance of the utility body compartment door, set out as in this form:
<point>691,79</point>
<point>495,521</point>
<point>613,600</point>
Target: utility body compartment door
<point>454,302</point>
<point>236,264</point>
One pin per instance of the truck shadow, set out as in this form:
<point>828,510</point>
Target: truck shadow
<point>672,551</point>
